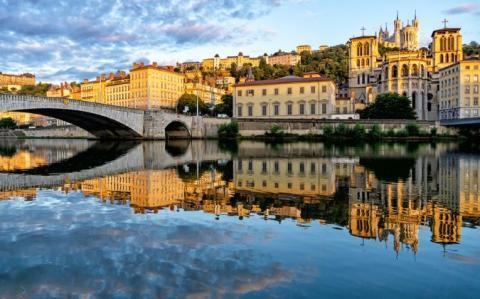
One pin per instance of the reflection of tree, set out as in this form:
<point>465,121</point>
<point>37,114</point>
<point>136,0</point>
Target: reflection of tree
<point>188,172</point>
<point>389,169</point>
<point>7,151</point>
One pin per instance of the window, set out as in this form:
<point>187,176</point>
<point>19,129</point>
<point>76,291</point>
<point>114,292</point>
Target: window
<point>467,101</point>
<point>289,90</point>
<point>250,92</point>
<point>345,110</point>
<point>324,108</point>
<point>289,185</point>
<point>475,89</point>
<point>312,168</point>
<point>264,92</point>
<point>467,89</point>
<point>250,110</point>
<point>264,166</point>
<point>467,79</point>
<point>289,108</point>
<point>276,166</point>
<point>289,168</point>
<point>312,108</point>
<point>276,109</point>
<point>239,111</point>
<point>475,101</point>
<point>264,110</point>
<point>264,184</point>
<point>301,108</point>
<point>276,91</point>
<point>312,89</point>
<point>324,89</point>
<point>475,78</point>
<point>276,185</point>
<point>302,167</point>
<point>302,90</point>
<point>239,93</point>
<point>324,168</point>
<point>250,165</point>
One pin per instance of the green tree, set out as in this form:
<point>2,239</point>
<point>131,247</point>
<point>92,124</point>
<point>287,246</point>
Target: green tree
<point>190,101</point>
<point>226,107</point>
<point>473,48</point>
<point>389,106</point>
<point>8,123</point>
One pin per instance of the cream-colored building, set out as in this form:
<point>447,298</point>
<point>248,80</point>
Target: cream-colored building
<point>154,87</point>
<point>303,48</point>
<point>94,90</point>
<point>209,94</point>
<point>283,58</point>
<point>16,80</point>
<point>217,63</point>
<point>117,90</point>
<point>287,97</point>
<point>459,92</point>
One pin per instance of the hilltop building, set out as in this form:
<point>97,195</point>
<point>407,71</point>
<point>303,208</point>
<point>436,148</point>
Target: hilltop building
<point>404,68</point>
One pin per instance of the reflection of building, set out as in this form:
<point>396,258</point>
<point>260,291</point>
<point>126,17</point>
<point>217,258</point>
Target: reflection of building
<point>21,160</point>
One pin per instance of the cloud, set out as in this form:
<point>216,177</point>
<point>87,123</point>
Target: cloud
<point>463,9</point>
<point>48,37</point>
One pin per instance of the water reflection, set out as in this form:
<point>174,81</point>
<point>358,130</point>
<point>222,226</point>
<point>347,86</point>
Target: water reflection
<point>391,194</point>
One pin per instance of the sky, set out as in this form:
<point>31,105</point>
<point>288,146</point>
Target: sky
<point>71,40</point>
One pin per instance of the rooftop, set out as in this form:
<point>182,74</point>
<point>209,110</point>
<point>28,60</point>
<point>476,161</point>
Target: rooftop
<point>284,80</point>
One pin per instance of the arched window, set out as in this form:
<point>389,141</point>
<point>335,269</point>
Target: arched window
<point>452,43</point>
<point>441,58</point>
<point>452,57</point>
<point>394,71</point>
<point>363,78</point>
<point>358,62</point>
<point>363,62</point>
<point>414,100</point>
<point>358,79</point>
<point>442,44</point>
<point>422,71</point>
<point>367,63</point>
<point>415,70</point>
<point>404,70</point>
<point>446,57</point>
<point>366,49</point>
<point>359,49</point>
<point>386,73</point>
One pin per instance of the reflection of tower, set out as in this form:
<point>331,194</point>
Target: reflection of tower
<point>446,226</point>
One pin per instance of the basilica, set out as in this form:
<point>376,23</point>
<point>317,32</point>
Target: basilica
<point>395,63</point>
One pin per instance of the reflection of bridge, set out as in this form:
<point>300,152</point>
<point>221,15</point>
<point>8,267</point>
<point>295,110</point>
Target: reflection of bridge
<point>106,121</point>
<point>147,155</point>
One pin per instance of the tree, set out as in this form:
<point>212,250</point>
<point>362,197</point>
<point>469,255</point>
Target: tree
<point>190,101</point>
<point>389,106</point>
<point>226,107</point>
<point>8,123</point>
<point>471,49</point>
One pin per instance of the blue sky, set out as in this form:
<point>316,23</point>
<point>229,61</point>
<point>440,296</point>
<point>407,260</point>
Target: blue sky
<point>72,40</point>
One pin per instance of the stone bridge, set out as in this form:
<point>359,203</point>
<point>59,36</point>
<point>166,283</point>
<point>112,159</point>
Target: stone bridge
<point>107,121</point>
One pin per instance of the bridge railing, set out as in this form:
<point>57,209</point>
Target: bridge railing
<point>66,101</point>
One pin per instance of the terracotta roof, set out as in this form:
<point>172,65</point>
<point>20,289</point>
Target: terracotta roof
<point>283,80</point>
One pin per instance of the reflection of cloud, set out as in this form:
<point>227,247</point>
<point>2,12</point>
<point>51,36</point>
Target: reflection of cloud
<point>462,258</point>
<point>462,9</point>
<point>68,245</point>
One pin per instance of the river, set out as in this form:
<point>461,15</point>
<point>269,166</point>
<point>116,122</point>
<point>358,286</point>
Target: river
<point>203,219</point>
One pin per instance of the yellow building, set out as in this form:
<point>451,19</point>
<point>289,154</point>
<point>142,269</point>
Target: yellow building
<point>59,91</point>
<point>117,90</point>
<point>446,47</point>
<point>283,58</point>
<point>217,63</point>
<point>209,94</point>
<point>459,90</point>
<point>363,53</point>
<point>16,80</point>
<point>287,97</point>
<point>94,90</point>
<point>154,87</point>
<point>303,48</point>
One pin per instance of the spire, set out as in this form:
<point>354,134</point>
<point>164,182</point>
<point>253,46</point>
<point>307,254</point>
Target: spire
<point>397,15</point>
<point>415,15</point>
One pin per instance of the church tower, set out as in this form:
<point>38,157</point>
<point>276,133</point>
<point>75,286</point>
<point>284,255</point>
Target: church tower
<point>446,47</point>
<point>397,31</point>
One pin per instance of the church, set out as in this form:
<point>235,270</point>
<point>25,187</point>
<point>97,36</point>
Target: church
<point>384,63</point>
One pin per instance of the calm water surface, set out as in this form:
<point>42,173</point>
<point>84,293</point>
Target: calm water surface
<point>84,219</point>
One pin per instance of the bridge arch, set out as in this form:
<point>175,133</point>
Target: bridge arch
<point>103,121</point>
<point>177,130</point>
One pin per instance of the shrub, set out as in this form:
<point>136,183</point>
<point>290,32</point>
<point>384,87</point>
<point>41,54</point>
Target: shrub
<point>275,132</point>
<point>412,129</point>
<point>328,131</point>
<point>375,132</point>
<point>390,133</point>
<point>358,132</point>
<point>433,132</point>
<point>401,133</point>
<point>341,130</point>
<point>228,130</point>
